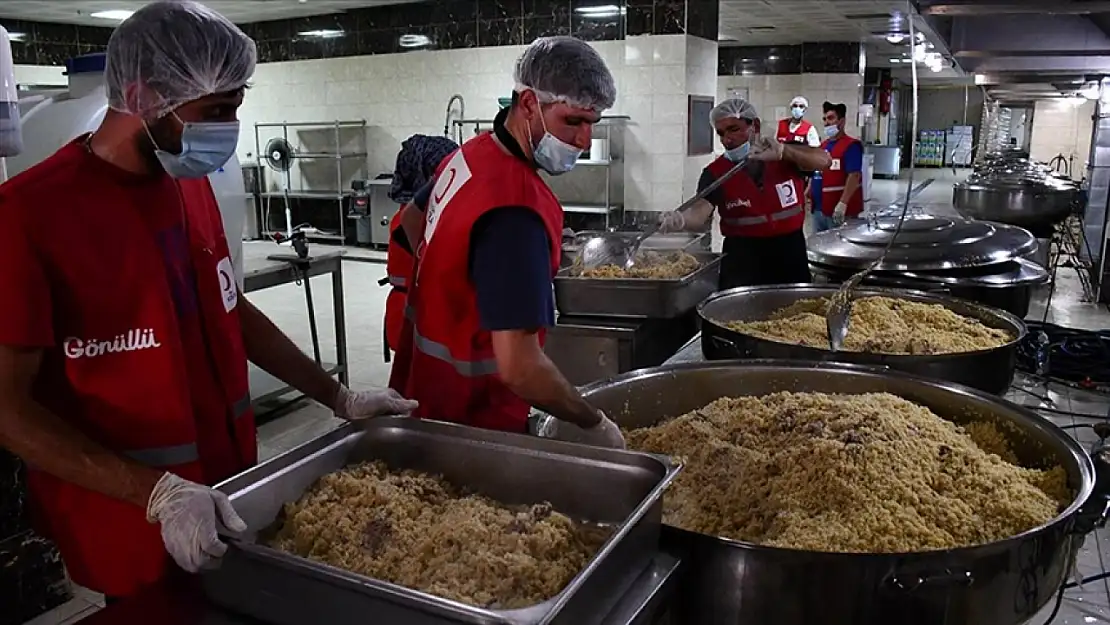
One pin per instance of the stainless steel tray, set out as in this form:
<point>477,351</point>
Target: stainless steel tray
<point>637,297</point>
<point>602,485</point>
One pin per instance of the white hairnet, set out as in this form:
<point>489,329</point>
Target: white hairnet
<point>799,101</point>
<point>733,107</point>
<point>565,69</point>
<point>177,51</point>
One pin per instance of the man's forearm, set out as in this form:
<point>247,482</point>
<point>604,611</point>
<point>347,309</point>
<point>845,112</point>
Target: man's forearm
<point>47,443</point>
<point>806,158</point>
<point>698,215</point>
<point>269,348</point>
<point>542,385</point>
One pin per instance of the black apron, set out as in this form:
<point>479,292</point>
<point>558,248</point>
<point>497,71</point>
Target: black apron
<point>758,261</point>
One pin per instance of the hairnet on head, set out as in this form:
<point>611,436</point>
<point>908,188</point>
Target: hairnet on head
<point>738,108</point>
<point>799,101</point>
<point>565,69</point>
<point>171,52</point>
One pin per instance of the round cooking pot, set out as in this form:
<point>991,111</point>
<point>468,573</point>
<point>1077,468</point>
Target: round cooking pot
<point>990,370</point>
<point>730,582</point>
<point>1030,204</point>
<point>1007,286</point>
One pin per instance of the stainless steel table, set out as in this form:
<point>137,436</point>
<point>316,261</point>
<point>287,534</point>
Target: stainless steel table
<point>261,271</point>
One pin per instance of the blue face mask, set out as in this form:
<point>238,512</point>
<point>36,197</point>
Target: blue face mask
<point>738,153</point>
<point>205,147</point>
<point>832,131</point>
<point>554,156</point>
<point>797,112</point>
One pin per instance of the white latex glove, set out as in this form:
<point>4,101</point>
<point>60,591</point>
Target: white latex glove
<point>672,221</point>
<point>766,149</point>
<point>839,212</point>
<point>365,404</point>
<point>188,513</point>
<point>604,434</point>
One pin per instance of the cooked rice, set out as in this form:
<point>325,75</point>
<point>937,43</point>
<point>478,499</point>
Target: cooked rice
<point>881,325</point>
<point>650,265</point>
<point>869,473</point>
<point>418,531</point>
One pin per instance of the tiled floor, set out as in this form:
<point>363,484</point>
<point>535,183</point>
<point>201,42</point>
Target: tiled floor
<point>364,309</point>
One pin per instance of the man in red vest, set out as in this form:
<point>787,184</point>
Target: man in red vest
<point>490,235</point>
<point>836,192</point>
<point>123,337</point>
<point>795,129</point>
<point>761,207</point>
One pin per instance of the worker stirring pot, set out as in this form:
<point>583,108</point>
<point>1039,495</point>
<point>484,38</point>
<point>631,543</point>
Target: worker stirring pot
<point>761,207</point>
<point>490,236</point>
<point>123,357</point>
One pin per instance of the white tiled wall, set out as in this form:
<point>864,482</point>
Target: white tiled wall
<point>1063,126</point>
<point>771,95</point>
<point>403,94</point>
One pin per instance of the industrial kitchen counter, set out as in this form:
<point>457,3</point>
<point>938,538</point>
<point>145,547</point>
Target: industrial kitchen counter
<point>182,602</point>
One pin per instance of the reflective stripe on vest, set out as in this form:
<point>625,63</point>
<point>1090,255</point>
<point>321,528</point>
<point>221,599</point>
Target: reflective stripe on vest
<point>398,281</point>
<point>762,219</point>
<point>823,189</point>
<point>173,455</point>
<point>439,351</point>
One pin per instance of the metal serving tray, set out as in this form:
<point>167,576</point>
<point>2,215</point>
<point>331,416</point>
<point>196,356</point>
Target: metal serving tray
<point>588,483</point>
<point>637,297</point>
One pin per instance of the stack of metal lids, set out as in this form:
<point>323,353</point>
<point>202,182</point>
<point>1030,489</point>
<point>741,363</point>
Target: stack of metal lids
<point>931,248</point>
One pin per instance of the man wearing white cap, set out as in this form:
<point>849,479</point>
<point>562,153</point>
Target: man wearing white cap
<point>796,130</point>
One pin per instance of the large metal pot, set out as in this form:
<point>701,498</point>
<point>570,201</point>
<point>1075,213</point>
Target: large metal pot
<point>1035,205</point>
<point>977,260</point>
<point>1006,286</point>
<point>735,583</point>
<point>990,370</point>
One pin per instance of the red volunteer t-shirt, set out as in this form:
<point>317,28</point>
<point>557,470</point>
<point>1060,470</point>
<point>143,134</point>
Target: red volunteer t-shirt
<point>27,316</point>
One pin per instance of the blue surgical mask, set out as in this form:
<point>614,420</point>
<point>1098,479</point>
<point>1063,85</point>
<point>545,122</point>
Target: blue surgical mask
<point>205,147</point>
<point>739,152</point>
<point>797,112</point>
<point>554,156</point>
<point>832,131</point>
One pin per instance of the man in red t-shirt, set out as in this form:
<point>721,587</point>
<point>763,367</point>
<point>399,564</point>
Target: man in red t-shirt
<point>123,337</point>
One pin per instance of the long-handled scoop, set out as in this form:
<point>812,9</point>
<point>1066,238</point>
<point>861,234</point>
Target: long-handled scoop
<point>623,253</point>
<point>839,313</point>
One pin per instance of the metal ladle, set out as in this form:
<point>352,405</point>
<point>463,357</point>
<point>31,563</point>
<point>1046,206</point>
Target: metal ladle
<point>839,313</point>
<point>611,250</point>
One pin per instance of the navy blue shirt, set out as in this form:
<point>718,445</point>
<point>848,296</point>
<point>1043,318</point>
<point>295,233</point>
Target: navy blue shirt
<point>510,266</point>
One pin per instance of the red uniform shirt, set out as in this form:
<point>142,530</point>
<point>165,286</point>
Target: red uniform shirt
<point>398,267</point>
<point>445,360</point>
<point>748,209</point>
<point>799,135</point>
<point>126,283</point>
<point>835,177</point>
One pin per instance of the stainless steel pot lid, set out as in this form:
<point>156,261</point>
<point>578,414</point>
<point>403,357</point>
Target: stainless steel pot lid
<point>926,243</point>
<point>1016,273</point>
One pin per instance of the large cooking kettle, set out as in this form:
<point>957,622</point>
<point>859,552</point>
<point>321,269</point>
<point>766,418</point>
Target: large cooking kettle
<point>1016,191</point>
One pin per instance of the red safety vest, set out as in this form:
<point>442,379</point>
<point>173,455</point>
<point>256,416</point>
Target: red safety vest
<point>398,268</point>
<point>751,211</point>
<point>446,360</point>
<point>117,371</point>
<point>834,178</point>
<point>798,135</point>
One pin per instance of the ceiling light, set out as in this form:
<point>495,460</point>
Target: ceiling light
<point>773,57</point>
<point>605,10</point>
<point>17,36</point>
<point>322,34</point>
<point>117,15</point>
<point>414,41</point>
<point>895,38</point>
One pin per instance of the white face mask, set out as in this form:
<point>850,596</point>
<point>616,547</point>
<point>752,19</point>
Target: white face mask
<point>553,155</point>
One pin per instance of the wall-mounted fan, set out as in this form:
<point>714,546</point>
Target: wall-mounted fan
<point>279,156</point>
